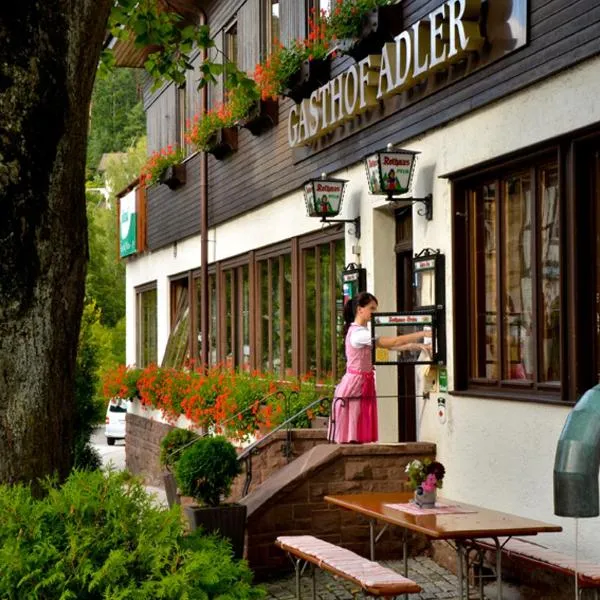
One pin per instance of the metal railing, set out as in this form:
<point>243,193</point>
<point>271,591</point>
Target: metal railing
<point>286,449</point>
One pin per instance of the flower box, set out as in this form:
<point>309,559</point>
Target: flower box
<point>263,117</point>
<point>379,26</point>
<point>225,142</point>
<point>173,176</point>
<point>311,75</point>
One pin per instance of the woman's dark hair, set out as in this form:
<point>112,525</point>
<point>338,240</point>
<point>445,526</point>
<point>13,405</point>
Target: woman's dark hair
<point>350,307</point>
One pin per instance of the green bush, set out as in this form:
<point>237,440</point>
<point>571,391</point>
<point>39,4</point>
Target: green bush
<point>100,537</point>
<point>207,469</point>
<point>172,445</point>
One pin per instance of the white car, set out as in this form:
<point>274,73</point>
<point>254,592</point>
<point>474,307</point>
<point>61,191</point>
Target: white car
<point>115,420</point>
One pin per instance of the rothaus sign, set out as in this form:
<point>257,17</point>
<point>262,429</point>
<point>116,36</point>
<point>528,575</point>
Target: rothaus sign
<point>445,36</point>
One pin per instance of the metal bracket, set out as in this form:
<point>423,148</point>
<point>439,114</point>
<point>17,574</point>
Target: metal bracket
<point>356,222</point>
<point>427,201</point>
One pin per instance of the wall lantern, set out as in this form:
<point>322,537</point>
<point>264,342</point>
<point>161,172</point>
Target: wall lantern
<point>390,173</point>
<point>323,198</point>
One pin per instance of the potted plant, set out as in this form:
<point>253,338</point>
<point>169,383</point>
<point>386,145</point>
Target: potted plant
<point>250,110</point>
<point>361,27</point>
<point>425,477</point>
<point>165,166</point>
<point>214,132</point>
<point>206,471</point>
<point>171,448</point>
<point>297,70</point>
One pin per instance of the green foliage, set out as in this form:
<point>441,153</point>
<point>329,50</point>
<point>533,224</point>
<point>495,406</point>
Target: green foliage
<point>88,408</point>
<point>207,469</point>
<point>347,19</point>
<point>105,281</point>
<point>121,171</point>
<point>117,117</point>
<point>173,39</point>
<point>100,537</point>
<point>172,445</point>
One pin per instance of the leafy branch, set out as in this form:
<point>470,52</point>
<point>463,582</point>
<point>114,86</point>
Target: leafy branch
<point>172,42</point>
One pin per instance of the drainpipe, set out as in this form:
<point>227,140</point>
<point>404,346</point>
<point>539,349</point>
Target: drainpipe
<point>578,460</point>
<point>204,226</point>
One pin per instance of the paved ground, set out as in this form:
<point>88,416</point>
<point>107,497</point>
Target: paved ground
<point>437,583</point>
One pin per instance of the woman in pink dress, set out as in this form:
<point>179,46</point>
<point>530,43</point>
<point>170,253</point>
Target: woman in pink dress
<point>354,407</point>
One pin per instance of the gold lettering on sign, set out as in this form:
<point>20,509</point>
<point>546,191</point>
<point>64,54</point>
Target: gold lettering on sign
<point>445,36</point>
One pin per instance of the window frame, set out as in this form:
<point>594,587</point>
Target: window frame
<point>140,333</point>
<point>547,392</point>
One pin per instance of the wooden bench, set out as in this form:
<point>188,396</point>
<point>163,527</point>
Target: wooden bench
<point>373,578</point>
<point>532,553</point>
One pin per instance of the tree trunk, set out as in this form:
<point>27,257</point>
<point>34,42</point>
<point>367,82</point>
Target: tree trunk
<point>48,56</point>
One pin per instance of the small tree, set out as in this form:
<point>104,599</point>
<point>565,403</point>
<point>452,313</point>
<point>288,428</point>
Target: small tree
<point>207,469</point>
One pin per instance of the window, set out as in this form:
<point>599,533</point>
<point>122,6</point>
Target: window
<point>231,51</point>
<point>319,6</point>
<point>178,344</point>
<point>146,326</point>
<point>237,316</point>
<point>513,291</point>
<point>213,320</point>
<point>181,114</point>
<point>274,282</point>
<point>322,309</point>
<point>272,30</point>
<point>251,323</point>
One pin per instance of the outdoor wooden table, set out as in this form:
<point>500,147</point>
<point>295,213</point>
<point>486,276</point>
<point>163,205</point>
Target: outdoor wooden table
<point>461,528</point>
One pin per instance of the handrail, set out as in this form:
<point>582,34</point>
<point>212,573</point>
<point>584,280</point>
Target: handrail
<point>246,455</point>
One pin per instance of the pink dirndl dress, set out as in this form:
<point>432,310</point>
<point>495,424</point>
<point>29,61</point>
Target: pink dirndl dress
<point>354,407</point>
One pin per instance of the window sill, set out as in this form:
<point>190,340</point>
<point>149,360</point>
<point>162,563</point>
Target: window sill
<point>513,395</point>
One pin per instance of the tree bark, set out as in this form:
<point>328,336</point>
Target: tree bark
<point>49,52</point>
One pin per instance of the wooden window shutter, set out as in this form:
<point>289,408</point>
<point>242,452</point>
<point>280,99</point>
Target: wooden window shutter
<point>249,36</point>
<point>292,20</point>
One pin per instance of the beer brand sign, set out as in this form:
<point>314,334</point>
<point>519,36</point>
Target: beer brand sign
<point>446,36</point>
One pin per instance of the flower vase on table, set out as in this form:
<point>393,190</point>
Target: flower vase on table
<point>425,499</point>
<point>425,477</point>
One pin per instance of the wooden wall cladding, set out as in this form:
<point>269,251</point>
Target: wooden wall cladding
<point>174,214</point>
<point>561,34</point>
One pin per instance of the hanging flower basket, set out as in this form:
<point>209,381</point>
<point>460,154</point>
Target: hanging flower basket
<point>379,26</point>
<point>262,117</point>
<point>225,142</point>
<point>173,176</point>
<point>311,75</point>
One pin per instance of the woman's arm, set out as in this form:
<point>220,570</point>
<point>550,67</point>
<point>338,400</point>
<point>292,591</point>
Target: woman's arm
<point>399,340</point>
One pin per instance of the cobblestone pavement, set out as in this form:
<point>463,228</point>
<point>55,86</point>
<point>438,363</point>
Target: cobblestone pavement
<point>437,583</point>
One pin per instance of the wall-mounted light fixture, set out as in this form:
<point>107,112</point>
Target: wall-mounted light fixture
<point>390,173</point>
<point>323,198</point>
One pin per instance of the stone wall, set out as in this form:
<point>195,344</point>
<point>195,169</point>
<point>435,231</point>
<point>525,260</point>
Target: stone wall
<point>142,450</point>
<point>286,493</point>
<point>270,455</point>
<point>291,502</point>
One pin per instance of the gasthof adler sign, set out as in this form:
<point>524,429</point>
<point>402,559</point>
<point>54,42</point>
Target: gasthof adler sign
<point>445,36</point>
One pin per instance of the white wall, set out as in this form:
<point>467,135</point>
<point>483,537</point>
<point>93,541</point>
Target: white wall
<point>499,454</point>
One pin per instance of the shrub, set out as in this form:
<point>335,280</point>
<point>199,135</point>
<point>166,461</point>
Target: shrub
<point>173,444</point>
<point>207,469</point>
<point>99,536</point>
